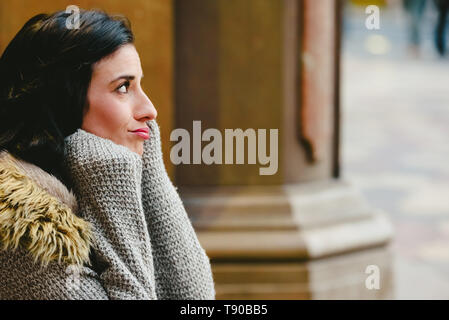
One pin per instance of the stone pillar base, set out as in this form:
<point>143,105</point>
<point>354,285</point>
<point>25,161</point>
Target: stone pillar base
<point>265,230</point>
<point>339,277</point>
<point>307,220</point>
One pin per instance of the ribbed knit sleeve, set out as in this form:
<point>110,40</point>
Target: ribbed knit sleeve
<point>107,182</point>
<point>182,268</point>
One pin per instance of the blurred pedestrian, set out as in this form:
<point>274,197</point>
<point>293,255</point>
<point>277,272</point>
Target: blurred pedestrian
<point>440,30</point>
<point>414,9</point>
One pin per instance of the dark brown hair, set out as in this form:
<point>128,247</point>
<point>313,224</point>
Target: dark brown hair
<point>45,73</point>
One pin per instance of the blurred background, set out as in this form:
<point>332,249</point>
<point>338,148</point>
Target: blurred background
<point>359,205</point>
<point>395,100</point>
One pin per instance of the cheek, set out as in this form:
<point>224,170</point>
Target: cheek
<point>107,115</point>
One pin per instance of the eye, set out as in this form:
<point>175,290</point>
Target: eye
<point>123,88</point>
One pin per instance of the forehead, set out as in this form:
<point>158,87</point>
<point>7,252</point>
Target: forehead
<point>124,60</point>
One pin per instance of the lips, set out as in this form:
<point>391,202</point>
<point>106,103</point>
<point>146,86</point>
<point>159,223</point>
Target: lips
<point>144,133</point>
<point>146,130</point>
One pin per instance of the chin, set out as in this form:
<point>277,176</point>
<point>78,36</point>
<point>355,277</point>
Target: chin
<point>139,150</point>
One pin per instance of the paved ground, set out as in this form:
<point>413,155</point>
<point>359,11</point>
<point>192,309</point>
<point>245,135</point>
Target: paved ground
<point>395,143</point>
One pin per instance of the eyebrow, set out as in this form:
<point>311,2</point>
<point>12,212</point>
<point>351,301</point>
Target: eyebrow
<point>125,76</point>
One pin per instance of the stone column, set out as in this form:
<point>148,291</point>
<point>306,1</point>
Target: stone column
<point>268,64</point>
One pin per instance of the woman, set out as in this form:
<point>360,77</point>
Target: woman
<point>74,117</point>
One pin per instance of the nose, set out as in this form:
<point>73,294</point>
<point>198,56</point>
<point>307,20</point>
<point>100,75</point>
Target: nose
<point>145,109</point>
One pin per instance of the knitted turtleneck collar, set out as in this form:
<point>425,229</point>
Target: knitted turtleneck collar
<point>38,213</point>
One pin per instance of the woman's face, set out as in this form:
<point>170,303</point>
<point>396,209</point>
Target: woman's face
<point>117,105</point>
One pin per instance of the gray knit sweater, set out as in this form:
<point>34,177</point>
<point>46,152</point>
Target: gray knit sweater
<point>142,244</point>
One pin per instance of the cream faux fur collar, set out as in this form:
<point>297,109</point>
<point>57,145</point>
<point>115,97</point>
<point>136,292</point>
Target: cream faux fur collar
<point>38,213</point>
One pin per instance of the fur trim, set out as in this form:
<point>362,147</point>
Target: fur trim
<point>49,183</point>
<point>37,212</point>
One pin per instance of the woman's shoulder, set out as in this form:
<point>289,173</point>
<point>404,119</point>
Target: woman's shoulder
<point>38,216</point>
